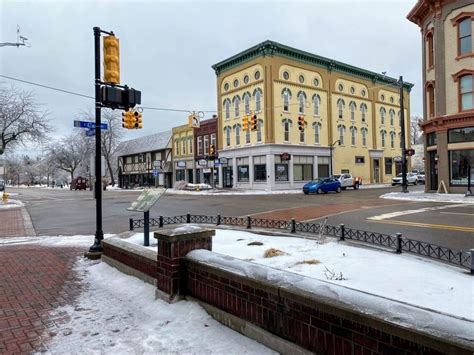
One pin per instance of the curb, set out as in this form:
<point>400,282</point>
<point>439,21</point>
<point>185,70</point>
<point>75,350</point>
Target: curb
<point>27,223</point>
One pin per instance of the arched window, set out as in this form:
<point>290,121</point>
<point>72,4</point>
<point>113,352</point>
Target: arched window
<point>392,140</point>
<point>301,101</point>
<point>382,138</point>
<point>259,130</point>
<point>382,115</point>
<point>286,100</point>
<point>399,118</point>
<point>236,106</point>
<point>465,36</point>
<point>227,109</point>
<point>247,103</point>
<point>352,107</point>
<point>466,91</point>
<point>237,134</point>
<point>363,131</point>
<point>341,129</point>
<point>317,132</point>
<point>353,135</point>
<point>316,104</point>
<point>430,97</point>
<point>258,99</point>
<point>247,136</point>
<point>227,136</point>
<point>286,129</point>
<point>363,110</point>
<point>430,49</point>
<point>392,116</point>
<point>340,107</point>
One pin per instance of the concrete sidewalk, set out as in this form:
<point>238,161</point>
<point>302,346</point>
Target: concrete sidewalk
<point>34,280</point>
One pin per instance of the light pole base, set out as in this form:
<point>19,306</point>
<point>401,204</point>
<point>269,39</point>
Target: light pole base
<point>93,255</point>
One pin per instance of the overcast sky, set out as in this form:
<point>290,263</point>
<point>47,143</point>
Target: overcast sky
<point>167,48</point>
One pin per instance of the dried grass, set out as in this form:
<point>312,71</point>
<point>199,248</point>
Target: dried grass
<point>272,252</point>
<point>255,243</point>
<point>309,262</point>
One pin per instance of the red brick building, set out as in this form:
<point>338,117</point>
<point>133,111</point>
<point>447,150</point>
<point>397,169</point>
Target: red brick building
<point>205,146</point>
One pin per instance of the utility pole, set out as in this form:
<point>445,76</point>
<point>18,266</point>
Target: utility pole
<point>18,39</point>
<point>403,138</point>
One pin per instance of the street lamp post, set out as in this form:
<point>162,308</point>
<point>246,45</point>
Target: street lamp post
<point>403,138</point>
<point>330,155</point>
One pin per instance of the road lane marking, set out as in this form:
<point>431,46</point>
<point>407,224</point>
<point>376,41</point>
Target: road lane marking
<point>407,212</point>
<point>427,225</point>
<point>461,213</point>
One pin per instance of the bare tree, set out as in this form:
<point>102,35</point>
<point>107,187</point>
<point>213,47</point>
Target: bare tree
<point>111,139</point>
<point>21,120</point>
<point>415,130</point>
<point>70,153</point>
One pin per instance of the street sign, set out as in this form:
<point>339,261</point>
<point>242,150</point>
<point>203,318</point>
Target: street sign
<point>202,162</point>
<point>157,164</point>
<point>89,125</point>
<point>90,132</point>
<point>146,200</point>
<point>155,173</point>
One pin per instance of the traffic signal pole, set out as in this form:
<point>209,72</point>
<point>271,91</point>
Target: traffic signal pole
<point>99,234</point>
<point>403,138</point>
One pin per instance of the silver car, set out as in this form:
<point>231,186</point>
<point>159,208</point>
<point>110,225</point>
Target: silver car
<point>412,178</point>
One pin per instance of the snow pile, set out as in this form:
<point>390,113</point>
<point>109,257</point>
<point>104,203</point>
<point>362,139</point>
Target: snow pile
<point>80,241</point>
<point>198,187</point>
<point>422,196</point>
<point>431,322</point>
<point>407,278</point>
<point>10,203</point>
<point>118,314</point>
<point>217,192</point>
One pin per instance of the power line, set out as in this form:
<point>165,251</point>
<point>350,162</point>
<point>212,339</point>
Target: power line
<point>91,97</point>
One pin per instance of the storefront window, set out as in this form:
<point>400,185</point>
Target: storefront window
<point>323,167</point>
<point>459,135</point>
<point>388,166</point>
<point>303,172</point>
<point>281,172</point>
<point>180,175</point>
<point>260,172</point>
<point>243,173</point>
<point>460,162</point>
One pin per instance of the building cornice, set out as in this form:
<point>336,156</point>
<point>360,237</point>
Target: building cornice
<point>447,122</point>
<point>270,48</point>
<point>425,8</point>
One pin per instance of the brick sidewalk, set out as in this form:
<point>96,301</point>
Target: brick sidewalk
<point>11,223</point>
<point>34,280</point>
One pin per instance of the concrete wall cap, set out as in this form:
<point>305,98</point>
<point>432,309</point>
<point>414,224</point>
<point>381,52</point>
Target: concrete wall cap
<point>130,247</point>
<point>185,232</point>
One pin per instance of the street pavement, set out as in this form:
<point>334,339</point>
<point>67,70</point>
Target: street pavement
<point>65,212</point>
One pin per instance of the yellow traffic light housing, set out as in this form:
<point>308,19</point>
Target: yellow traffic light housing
<point>253,123</point>
<point>137,122</point>
<point>212,150</point>
<point>127,120</point>
<point>111,60</point>
<point>245,123</point>
<point>301,123</point>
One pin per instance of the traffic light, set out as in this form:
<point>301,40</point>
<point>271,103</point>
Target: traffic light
<point>245,123</point>
<point>137,120</point>
<point>193,121</point>
<point>212,150</point>
<point>253,123</point>
<point>111,60</point>
<point>127,119</point>
<point>301,123</point>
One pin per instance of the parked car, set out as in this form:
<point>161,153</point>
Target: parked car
<point>348,181</point>
<point>322,185</point>
<point>79,183</point>
<point>412,178</point>
<point>421,177</point>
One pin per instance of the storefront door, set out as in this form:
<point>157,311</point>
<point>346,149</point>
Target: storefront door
<point>228,176</point>
<point>433,167</point>
<point>376,168</point>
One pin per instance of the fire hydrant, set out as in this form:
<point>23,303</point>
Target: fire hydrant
<point>5,197</point>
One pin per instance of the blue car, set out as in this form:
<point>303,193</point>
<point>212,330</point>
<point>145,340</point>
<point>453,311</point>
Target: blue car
<point>322,185</point>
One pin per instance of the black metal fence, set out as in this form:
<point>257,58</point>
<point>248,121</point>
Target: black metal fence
<point>400,244</point>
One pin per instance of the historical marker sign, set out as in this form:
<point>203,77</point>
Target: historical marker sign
<point>146,200</point>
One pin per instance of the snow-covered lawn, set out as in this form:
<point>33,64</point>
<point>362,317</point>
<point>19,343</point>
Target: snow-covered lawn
<point>422,196</point>
<point>405,278</point>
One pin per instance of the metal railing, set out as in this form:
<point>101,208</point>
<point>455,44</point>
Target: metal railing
<point>463,259</point>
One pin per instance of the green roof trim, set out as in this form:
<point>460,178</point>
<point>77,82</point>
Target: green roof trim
<point>271,48</point>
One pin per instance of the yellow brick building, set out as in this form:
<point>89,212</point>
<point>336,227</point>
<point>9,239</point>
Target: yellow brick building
<point>183,154</point>
<point>338,102</point>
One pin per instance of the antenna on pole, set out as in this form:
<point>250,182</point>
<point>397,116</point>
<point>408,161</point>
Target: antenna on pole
<point>20,40</point>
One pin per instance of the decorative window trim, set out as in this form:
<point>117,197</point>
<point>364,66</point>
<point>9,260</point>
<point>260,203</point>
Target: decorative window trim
<point>456,22</point>
<point>429,39</point>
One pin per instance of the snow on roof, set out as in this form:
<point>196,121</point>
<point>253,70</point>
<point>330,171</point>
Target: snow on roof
<point>157,141</point>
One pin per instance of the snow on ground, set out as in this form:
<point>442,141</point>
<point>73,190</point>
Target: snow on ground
<point>406,278</point>
<point>11,203</point>
<point>422,196</point>
<point>81,241</point>
<point>118,314</point>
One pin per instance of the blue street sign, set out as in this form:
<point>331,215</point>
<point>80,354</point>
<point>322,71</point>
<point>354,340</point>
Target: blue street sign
<point>155,173</point>
<point>90,132</point>
<point>90,125</point>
